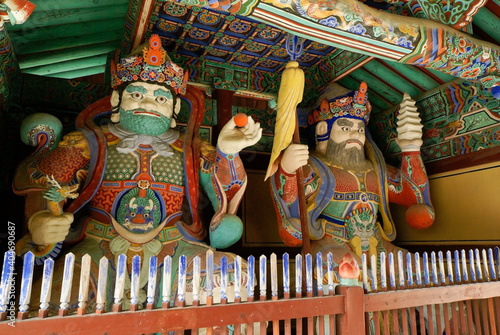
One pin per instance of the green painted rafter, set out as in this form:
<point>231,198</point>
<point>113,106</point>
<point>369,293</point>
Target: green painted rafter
<point>63,55</point>
<point>81,63</point>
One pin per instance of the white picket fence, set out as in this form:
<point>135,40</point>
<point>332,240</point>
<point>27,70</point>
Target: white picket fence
<point>394,272</point>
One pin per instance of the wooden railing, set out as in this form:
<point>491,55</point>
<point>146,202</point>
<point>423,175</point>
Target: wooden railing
<point>459,295</point>
<point>405,294</point>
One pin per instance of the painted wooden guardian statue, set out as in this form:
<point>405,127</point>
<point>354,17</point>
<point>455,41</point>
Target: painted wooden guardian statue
<point>347,184</point>
<point>124,187</point>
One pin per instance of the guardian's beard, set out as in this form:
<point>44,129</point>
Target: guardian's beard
<point>348,158</point>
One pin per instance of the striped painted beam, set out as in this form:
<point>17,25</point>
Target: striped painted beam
<point>413,41</point>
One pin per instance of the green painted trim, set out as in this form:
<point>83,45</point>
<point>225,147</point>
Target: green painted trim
<point>488,22</point>
<point>44,19</point>
<point>64,43</point>
<point>82,63</point>
<point>396,80</point>
<point>44,6</point>
<point>384,90</point>
<point>378,103</point>
<point>416,75</point>
<point>78,73</point>
<point>33,60</point>
<point>67,30</point>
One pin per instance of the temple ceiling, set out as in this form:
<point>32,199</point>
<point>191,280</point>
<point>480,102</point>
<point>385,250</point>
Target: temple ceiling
<point>395,46</point>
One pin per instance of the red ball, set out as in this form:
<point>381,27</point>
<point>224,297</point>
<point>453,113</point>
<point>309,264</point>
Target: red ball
<point>241,119</point>
<point>420,216</point>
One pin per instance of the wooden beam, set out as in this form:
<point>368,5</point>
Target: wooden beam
<point>71,65</point>
<point>163,320</point>
<point>385,89</point>
<point>488,22</point>
<point>46,6</point>
<point>377,100</point>
<point>392,79</point>
<point>429,296</point>
<point>79,73</point>
<point>344,73</point>
<point>69,42</point>
<point>410,79</point>
<point>471,159</point>
<point>142,22</point>
<point>57,17</point>
<point>66,30</point>
<point>50,57</point>
<point>353,321</point>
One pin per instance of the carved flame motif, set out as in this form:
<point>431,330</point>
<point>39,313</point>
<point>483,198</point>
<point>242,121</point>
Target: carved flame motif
<point>155,54</point>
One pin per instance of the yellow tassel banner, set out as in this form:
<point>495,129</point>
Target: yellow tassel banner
<point>289,96</point>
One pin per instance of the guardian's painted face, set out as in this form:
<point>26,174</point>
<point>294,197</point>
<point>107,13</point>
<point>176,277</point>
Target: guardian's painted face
<point>350,131</point>
<point>146,108</point>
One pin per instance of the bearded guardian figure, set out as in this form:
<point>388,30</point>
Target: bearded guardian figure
<point>348,186</point>
<point>135,180</point>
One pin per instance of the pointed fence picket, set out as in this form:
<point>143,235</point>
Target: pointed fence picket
<point>401,293</point>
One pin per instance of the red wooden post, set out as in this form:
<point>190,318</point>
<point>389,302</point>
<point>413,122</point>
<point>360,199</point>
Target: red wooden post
<point>224,110</point>
<point>352,322</point>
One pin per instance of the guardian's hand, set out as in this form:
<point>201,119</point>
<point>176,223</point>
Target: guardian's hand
<point>232,139</point>
<point>47,228</point>
<point>295,156</point>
